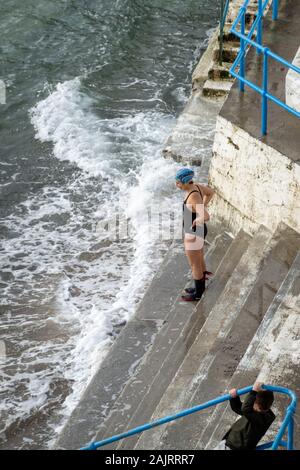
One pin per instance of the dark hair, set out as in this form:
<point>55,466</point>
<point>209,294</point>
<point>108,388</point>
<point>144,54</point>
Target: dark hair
<point>265,399</point>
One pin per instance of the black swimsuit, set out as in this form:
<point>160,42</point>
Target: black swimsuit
<point>189,217</point>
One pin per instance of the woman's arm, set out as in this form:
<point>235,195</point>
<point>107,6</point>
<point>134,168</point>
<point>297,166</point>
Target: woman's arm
<point>196,203</point>
<point>207,192</point>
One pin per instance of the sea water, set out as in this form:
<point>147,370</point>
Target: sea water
<point>93,90</point>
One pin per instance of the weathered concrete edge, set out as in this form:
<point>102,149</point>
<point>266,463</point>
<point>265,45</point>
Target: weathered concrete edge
<point>115,370</point>
<point>125,354</point>
<point>292,85</point>
<point>200,74</point>
<point>252,200</point>
<point>251,364</point>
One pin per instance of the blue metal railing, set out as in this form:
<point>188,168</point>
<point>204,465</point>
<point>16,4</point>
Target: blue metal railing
<point>287,424</point>
<point>246,41</point>
<point>223,14</point>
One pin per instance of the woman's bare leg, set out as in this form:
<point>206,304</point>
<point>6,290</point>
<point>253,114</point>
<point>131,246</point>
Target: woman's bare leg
<point>195,258</point>
<point>194,252</point>
<point>203,260</point>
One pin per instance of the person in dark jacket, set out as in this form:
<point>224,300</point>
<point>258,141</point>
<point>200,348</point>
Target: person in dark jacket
<point>256,418</point>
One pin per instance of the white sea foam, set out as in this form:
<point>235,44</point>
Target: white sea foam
<point>109,281</point>
<point>64,119</point>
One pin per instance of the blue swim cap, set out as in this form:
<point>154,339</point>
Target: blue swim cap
<point>184,175</point>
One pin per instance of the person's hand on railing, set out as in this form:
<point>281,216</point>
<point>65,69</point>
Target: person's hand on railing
<point>257,387</point>
<point>287,423</point>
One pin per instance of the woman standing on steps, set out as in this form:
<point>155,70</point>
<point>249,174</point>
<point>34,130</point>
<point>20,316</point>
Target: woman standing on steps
<point>195,214</point>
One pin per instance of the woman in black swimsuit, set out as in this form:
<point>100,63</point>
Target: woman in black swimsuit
<point>194,228</point>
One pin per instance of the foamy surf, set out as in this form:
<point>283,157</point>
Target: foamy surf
<point>68,287</point>
<point>95,280</point>
<point>63,118</point>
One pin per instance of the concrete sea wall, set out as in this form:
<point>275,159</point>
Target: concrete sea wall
<point>255,183</point>
<point>257,177</point>
<point>293,85</point>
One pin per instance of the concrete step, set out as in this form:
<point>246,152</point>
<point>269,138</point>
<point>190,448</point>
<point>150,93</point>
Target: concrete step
<point>232,346</point>
<point>184,434</point>
<point>228,36</point>
<point>229,52</point>
<point>272,356</point>
<point>141,394</point>
<point>231,37</point>
<point>282,367</point>
<point>214,88</point>
<point>220,72</point>
<point>193,133</point>
<point>125,353</point>
<point>174,398</point>
<point>188,333</point>
<point>250,16</point>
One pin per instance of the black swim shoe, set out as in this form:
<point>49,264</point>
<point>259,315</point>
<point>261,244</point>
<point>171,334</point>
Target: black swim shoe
<point>192,290</point>
<point>190,298</point>
<point>199,291</point>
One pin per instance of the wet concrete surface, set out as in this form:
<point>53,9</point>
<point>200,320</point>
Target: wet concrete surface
<point>261,362</point>
<point>116,369</point>
<point>142,394</point>
<point>244,109</point>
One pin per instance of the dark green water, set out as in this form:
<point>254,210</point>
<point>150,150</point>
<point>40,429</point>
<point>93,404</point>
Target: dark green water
<point>93,91</point>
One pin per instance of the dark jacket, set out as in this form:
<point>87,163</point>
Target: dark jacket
<point>247,431</point>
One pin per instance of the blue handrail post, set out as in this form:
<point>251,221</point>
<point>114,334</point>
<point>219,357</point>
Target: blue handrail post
<point>264,116</point>
<point>221,32</point>
<point>283,428</point>
<point>223,14</point>
<point>242,47</point>
<point>275,10</point>
<point>259,26</point>
<point>290,439</point>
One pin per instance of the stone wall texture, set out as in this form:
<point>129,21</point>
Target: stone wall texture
<point>255,184</point>
<point>293,85</point>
